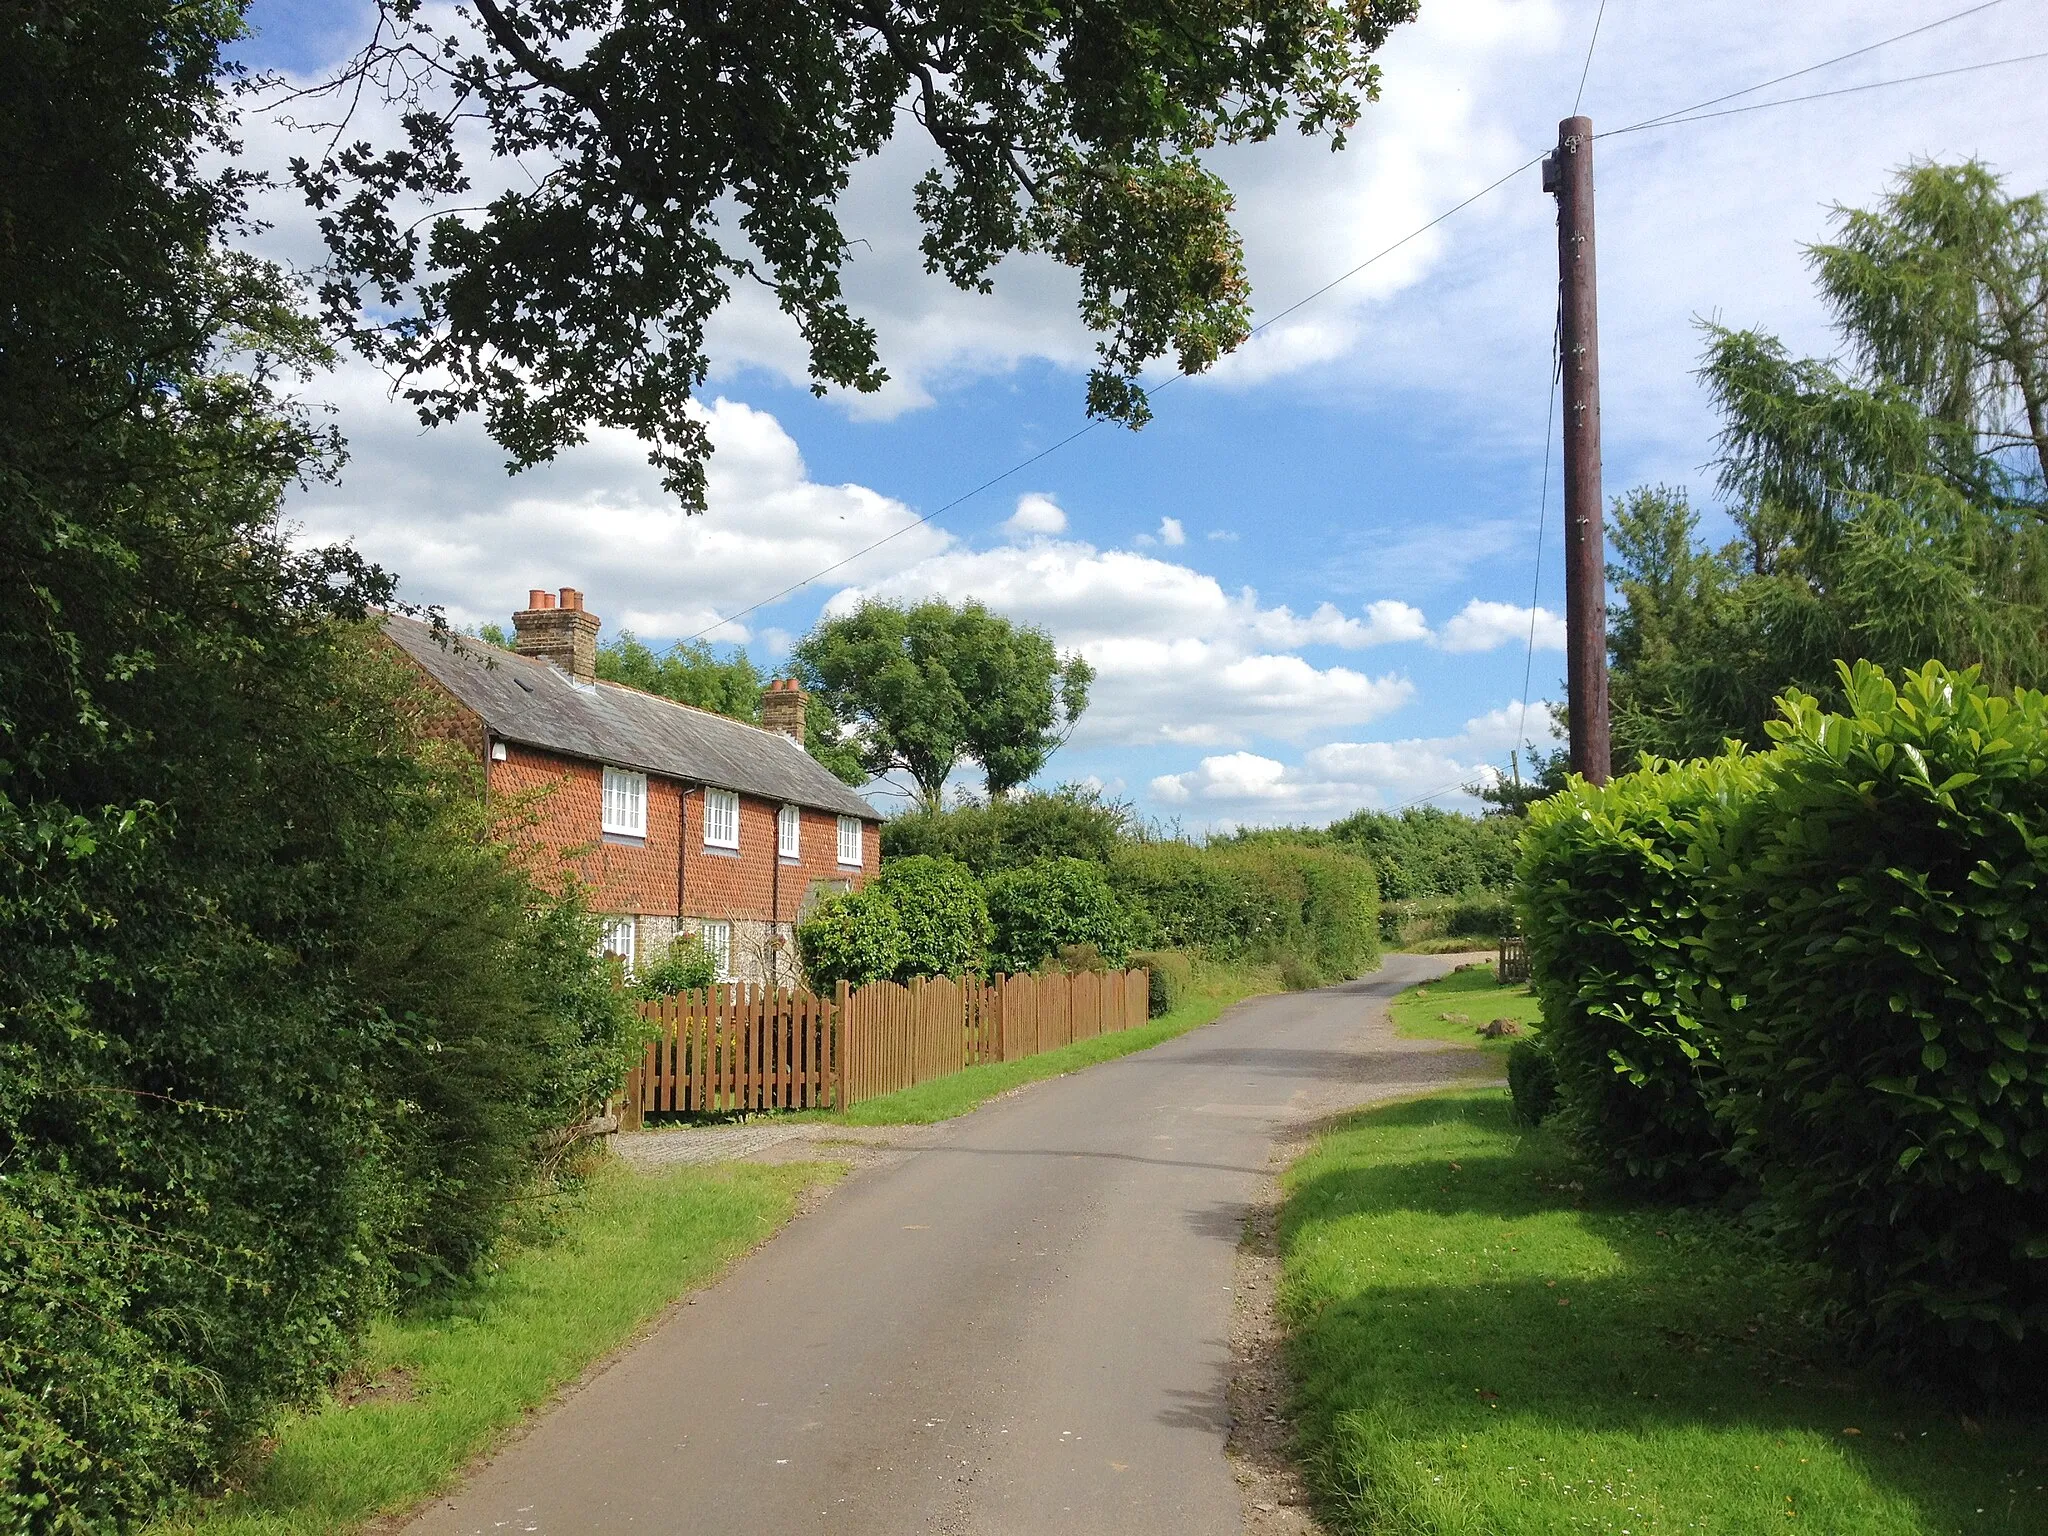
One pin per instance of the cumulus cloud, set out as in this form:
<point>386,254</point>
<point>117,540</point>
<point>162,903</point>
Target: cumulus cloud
<point>1179,659</point>
<point>1482,626</point>
<point>432,507</point>
<point>1246,788</point>
<point>1036,513</point>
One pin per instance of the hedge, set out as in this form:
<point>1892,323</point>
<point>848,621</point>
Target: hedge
<point>1263,900</point>
<point>1041,908</point>
<point>942,915</point>
<point>1880,927</point>
<point>1838,949</point>
<point>1609,896</point>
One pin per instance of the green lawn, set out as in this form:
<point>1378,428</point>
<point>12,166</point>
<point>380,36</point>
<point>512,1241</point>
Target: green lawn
<point>1214,990</point>
<point>449,1382</point>
<point>1473,998</point>
<point>1482,1345</point>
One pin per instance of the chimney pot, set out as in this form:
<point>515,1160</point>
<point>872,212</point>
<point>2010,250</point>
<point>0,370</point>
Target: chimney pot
<point>535,598</point>
<point>572,599</point>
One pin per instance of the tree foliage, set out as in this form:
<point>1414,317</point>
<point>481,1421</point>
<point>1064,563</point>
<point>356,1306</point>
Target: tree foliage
<point>1019,829</point>
<point>1892,507</point>
<point>673,151</point>
<point>918,688</point>
<point>282,1028</point>
<point>1426,851</point>
<point>1039,909</point>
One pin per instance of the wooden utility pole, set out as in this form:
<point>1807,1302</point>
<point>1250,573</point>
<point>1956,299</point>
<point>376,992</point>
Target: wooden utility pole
<point>1568,173</point>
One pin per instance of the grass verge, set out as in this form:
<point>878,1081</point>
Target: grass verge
<point>1215,989</point>
<point>1471,998</point>
<point>438,1388</point>
<point>1481,1344</point>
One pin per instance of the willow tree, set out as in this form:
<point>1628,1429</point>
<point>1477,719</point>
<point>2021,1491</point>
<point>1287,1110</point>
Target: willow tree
<point>668,151</point>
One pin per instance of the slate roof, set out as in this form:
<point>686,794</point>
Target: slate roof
<point>528,701</point>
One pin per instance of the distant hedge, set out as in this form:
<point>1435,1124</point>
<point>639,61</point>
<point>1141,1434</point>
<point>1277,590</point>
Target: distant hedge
<point>1838,949</point>
<point>1258,900</point>
<point>1042,908</point>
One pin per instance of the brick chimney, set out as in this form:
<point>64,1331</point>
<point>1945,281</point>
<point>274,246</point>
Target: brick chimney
<point>782,709</point>
<point>560,632</point>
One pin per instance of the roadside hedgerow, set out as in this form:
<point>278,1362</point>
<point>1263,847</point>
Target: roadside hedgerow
<point>1880,932</point>
<point>1171,975</point>
<point>942,915</point>
<point>1039,908</point>
<point>855,938</point>
<point>1610,893</point>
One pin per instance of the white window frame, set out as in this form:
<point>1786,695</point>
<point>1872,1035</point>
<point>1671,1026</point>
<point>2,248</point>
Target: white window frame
<point>789,833</point>
<point>851,831</point>
<point>717,937</point>
<point>721,818</point>
<point>624,811</point>
<point>617,938</point>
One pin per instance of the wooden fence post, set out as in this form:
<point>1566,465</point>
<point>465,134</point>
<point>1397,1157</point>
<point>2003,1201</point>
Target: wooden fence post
<point>842,1021</point>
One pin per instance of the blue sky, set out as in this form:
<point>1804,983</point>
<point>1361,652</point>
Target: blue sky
<point>1306,585</point>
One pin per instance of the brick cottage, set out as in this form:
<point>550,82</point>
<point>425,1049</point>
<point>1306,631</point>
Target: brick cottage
<point>675,819</point>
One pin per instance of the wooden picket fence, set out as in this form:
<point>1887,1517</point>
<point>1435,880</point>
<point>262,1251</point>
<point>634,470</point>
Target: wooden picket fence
<point>1513,965</point>
<point>742,1046</point>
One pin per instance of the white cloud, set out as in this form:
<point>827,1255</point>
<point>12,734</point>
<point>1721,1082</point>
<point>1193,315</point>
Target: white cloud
<point>1036,513</point>
<point>1222,536</point>
<point>1171,534</point>
<point>1481,626</point>
<point>1178,659</point>
<point>437,508</point>
<point>1330,781</point>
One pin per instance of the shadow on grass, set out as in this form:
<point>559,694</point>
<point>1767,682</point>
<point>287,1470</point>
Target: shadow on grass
<point>1475,1326</point>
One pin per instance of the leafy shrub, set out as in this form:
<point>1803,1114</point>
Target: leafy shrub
<point>1393,920</point>
<point>1019,829</point>
<point>1042,906</point>
<point>1532,1080</point>
<point>1480,916</point>
<point>1298,973</point>
<point>1170,977</point>
<point>1320,905</point>
<point>1079,960</point>
<point>1610,890</point>
<point>1184,897</point>
<point>855,937</point>
<point>1426,851</point>
<point>686,966</point>
<point>1880,929</point>
<point>941,912</point>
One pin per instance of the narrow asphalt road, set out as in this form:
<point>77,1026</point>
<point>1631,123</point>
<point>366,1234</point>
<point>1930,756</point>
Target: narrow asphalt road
<point>1022,1328</point>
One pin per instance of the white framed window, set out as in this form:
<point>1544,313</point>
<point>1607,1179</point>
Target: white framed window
<point>849,840</point>
<point>625,803</point>
<point>789,832</point>
<point>616,939</point>
<point>721,819</point>
<point>718,945</point>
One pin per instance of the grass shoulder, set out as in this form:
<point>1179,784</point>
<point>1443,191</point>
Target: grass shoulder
<point>1214,989</point>
<point>1456,1006</point>
<point>438,1388</point>
<point>1485,1342</point>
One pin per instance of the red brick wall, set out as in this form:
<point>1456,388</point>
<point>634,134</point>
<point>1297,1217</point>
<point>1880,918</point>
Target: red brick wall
<point>561,801</point>
<point>756,884</point>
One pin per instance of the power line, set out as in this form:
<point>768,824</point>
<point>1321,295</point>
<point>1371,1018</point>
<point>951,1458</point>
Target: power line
<point>1543,512</point>
<point>1840,58</point>
<point>1847,90</point>
<point>1591,43</point>
<point>1023,464</point>
<point>1694,113</point>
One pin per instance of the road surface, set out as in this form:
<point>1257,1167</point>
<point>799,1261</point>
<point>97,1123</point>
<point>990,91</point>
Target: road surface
<point>1021,1328</point>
